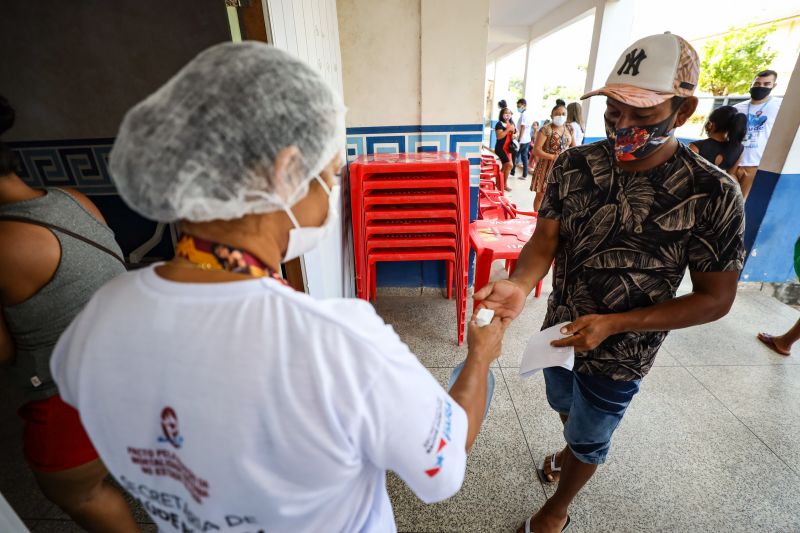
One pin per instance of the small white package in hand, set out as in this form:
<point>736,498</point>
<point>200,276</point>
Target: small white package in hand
<point>484,317</point>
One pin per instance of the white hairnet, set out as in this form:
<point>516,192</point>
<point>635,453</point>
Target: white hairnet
<point>203,146</point>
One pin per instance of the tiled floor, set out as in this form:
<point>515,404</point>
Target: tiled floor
<point>711,443</point>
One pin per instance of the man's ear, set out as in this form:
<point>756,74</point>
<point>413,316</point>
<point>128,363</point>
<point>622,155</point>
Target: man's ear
<point>686,110</point>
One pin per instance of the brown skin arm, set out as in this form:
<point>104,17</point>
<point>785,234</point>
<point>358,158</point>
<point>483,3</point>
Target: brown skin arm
<point>735,168</point>
<point>469,390</point>
<point>711,299</point>
<point>539,144</point>
<point>507,297</point>
<point>29,256</point>
<point>693,147</point>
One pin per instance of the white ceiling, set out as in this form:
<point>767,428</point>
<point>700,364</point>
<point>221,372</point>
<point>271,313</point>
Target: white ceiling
<point>510,22</point>
<point>519,12</point>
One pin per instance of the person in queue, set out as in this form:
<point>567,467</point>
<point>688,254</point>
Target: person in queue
<point>624,218</point>
<point>551,140</point>
<point>762,111</point>
<point>525,135</point>
<point>726,129</point>
<point>212,383</point>
<point>47,274</point>
<point>504,146</point>
<point>576,123</point>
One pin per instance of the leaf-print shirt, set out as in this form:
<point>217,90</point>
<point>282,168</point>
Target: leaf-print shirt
<point>626,239</point>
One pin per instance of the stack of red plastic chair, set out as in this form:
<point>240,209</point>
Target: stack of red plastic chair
<point>411,207</point>
<point>491,175</point>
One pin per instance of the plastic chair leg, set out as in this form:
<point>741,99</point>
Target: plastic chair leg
<point>450,266</point>
<point>483,268</point>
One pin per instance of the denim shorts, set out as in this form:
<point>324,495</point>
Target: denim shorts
<point>594,406</point>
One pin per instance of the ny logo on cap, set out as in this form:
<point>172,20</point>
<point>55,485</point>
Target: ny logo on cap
<point>632,62</point>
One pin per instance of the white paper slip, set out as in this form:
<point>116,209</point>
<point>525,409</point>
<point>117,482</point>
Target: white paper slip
<point>539,354</point>
<point>484,317</point>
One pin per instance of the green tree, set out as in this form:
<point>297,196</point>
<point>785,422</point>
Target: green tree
<point>515,88</point>
<point>568,94</point>
<point>730,61</point>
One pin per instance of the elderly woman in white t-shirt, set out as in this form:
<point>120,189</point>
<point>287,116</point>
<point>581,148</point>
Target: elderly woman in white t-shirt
<point>213,392</point>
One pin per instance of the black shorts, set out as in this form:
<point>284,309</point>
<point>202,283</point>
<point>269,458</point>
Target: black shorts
<point>501,154</point>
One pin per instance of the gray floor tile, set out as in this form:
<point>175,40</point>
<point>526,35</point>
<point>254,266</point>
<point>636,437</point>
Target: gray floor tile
<point>766,399</point>
<point>427,324</point>
<point>497,493</point>
<point>680,462</point>
<point>664,358</point>
<point>540,424</point>
<point>732,339</point>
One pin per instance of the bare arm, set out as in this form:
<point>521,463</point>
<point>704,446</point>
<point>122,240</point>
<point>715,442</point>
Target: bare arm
<point>469,391</point>
<point>537,255</point>
<point>693,147</point>
<point>537,147</point>
<point>735,168</point>
<point>711,299</point>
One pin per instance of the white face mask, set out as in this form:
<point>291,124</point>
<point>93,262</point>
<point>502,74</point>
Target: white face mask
<point>303,239</point>
<point>559,120</point>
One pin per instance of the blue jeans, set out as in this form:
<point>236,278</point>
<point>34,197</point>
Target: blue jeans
<point>594,406</point>
<point>524,151</point>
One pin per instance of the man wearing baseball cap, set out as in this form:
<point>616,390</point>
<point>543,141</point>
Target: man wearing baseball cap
<point>624,218</point>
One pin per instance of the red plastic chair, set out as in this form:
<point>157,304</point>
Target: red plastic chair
<point>416,211</point>
<point>499,239</point>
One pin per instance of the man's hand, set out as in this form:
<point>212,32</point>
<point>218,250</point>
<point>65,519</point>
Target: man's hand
<point>485,342</point>
<point>506,298</point>
<point>587,332</point>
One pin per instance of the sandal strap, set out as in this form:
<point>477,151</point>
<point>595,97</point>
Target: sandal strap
<point>553,467</point>
<point>528,525</point>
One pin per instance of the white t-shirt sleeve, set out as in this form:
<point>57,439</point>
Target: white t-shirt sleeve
<point>413,427</point>
<point>65,362</point>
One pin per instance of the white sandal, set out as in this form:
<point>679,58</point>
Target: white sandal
<point>528,524</point>
<point>553,468</point>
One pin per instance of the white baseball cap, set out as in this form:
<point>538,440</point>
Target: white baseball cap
<point>651,71</point>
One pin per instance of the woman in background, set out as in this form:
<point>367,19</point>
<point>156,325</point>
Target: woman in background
<point>575,120</point>
<point>726,129</point>
<point>504,131</point>
<point>551,140</point>
<point>46,278</point>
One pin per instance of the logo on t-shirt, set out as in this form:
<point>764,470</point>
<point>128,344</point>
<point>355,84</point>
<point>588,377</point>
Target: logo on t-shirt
<point>444,439</point>
<point>169,426</point>
<point>757,120</point>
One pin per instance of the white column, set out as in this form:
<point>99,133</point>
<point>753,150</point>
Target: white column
<point>613,24</point>
<point>534,84</point>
